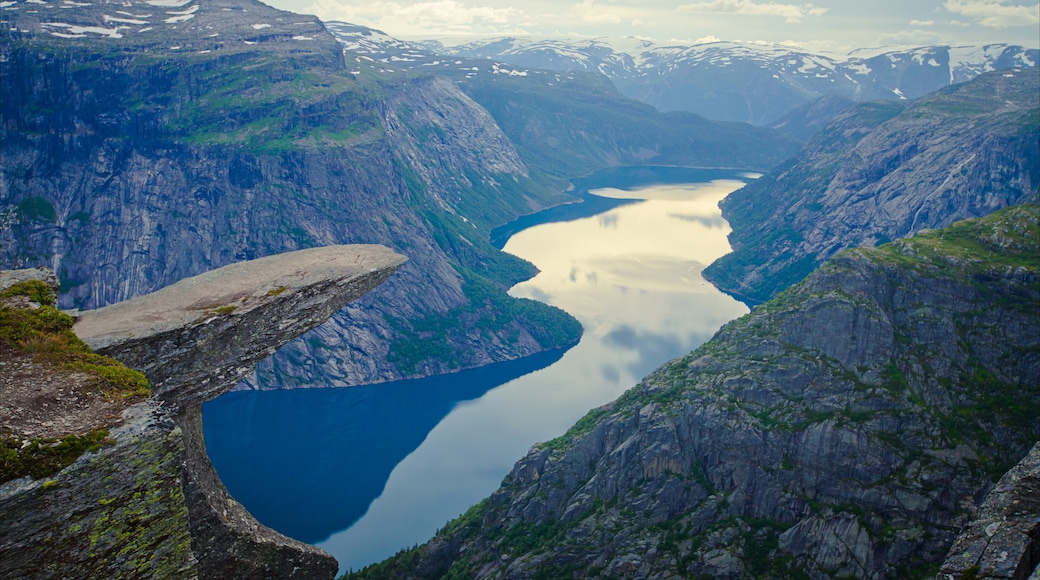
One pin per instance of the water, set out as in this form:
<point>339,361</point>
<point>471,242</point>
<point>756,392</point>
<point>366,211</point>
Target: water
<point>365,471</point>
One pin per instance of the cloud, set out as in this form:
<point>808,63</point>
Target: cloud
<point>436,16</point>
<point>995,13</point>
<point>909,37</point>
<point>707,39</point>
<point>596,14</point>
<point>916,22</point>
<point>792,13</point>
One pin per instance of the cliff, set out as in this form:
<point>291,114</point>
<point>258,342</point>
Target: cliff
<point>145,500</point>
<point>847,428</point>
<point>882,171</point>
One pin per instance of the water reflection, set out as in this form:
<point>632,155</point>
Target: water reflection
<point>631,275</point>
<point>309,462</point>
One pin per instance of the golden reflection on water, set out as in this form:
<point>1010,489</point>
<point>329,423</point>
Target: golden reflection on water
<point>594,267</point>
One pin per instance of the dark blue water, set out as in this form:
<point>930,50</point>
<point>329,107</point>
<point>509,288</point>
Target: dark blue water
<point>365,471</point>
<point>309,462</point>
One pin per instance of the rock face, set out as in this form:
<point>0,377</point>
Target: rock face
<point>1003,541</point>
<point>847,428</point>
<point>882,171</point>
<point>149,504</point>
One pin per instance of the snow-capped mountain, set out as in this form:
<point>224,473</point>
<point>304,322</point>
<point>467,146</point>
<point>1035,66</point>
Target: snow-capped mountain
<point>753,82</point>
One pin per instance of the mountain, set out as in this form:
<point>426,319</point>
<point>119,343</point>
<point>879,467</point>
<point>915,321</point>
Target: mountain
<point>847,428</point>
<point>752,82</point>
<point>882,171</point>
<point>148,142</point>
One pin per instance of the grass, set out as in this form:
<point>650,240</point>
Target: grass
<point>40,458</point>
<point>46,334</point>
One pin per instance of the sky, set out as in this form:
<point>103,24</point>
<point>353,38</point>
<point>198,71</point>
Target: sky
<point>825,25</point>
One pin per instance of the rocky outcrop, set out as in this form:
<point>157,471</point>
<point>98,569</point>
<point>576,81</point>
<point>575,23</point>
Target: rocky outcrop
<point>848,428</point>
<point>1003,541</point>
<point>883,171</point>
<point>232,309</point>
<point>148,503</point>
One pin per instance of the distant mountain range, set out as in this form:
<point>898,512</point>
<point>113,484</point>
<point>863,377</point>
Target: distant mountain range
<point>755,83</point>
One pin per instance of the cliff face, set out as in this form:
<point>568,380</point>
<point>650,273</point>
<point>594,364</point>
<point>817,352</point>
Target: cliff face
<point>133,161</point>
<point>847,428</point>
<point>147,502</point>
<point>882,171</point>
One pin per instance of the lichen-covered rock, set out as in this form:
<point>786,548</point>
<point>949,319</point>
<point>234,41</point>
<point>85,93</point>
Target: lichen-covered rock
<point>847,428</point>
<point>149,504</point>
<point>1003,541</point>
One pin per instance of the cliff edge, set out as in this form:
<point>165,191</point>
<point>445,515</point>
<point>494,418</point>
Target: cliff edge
<point>144,501</point>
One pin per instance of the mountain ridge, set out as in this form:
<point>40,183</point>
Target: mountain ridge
<point>771,79</point>
<point>881,171</point>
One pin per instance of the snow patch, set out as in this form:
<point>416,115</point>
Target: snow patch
<point>176,19</point>
<point>261,26</point>
<point>7,4</point>
<point>79,31</point>
<point>108,18</point>
<point>303,38</point>
<point>859,68</point>
<point>168,3</point>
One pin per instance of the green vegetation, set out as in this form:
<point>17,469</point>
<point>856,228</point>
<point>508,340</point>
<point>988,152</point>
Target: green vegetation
<point>39,458</point>
<point>1005,240</point>
<point>46,334</point>
<point>37,208</point>
<point>487,274</point>
<point>489,310</point>
<point>399,565</point>
<point>582,427</point>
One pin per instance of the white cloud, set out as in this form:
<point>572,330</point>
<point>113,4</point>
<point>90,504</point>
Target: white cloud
<point>707,39</point>
<point>596,14</point>
<point>995,13</point>
<point>909,37</point>
<point>790,12</point>
<point>916,22</point>
<point>439,16</point>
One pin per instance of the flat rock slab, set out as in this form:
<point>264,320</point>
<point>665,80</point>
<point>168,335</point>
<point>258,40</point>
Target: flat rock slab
<point>243,285</point>
<point>198,337</point>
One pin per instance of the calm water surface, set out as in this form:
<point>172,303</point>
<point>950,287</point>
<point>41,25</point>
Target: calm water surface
<point>365,471</point>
